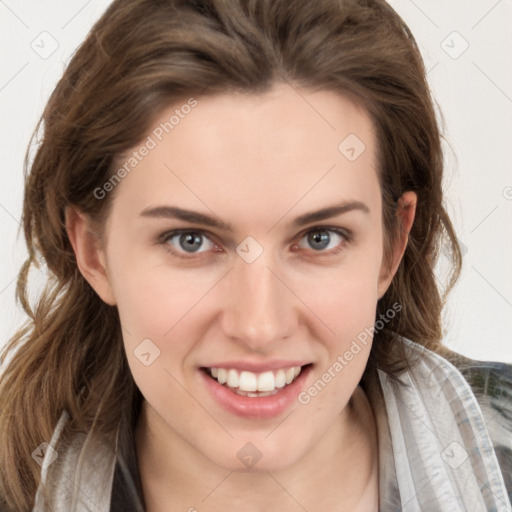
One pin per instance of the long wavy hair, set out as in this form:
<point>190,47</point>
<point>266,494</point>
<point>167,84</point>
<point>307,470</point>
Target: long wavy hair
<point>140,57</point>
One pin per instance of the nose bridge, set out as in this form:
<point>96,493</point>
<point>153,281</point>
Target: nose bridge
<point>261,309</point>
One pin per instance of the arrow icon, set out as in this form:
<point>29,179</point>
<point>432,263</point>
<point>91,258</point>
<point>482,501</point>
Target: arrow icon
<point>146,352</point>
<point>454,45</point>
<point>454,455</point>
<point>41,454</point>
<point>44,45</point>
<point>351,147</point>
<point>249,455</point>
<point>249,249</point>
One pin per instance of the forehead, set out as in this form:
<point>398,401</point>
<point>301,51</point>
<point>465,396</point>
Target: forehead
<point>259,154</point>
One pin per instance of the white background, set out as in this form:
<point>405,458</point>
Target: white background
<point>473,90</point>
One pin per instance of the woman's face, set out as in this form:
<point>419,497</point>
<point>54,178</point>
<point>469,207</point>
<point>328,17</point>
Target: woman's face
<point>278,266</point>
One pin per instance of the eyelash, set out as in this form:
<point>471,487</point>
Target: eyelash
<point>168,235</point>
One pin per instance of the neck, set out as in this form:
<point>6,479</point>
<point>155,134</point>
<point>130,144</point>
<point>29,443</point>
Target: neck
<point>339,474</point>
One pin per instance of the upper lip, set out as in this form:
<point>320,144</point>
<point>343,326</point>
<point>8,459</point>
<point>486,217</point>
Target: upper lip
<point>258,367</point>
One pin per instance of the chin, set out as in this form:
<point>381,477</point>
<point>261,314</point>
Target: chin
<point>257,454</point>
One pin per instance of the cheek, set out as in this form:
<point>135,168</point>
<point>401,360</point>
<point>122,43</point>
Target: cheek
<point>348,308</point>
<point>346,304</point>
<point>350,314</point>
<point>345,298</point>
<point>151,296</point>
<point>349,311</point>
<point>153,303</point>
<point>159,331</point>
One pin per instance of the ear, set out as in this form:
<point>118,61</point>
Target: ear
<point>406,210</point>
<point>89,253</point>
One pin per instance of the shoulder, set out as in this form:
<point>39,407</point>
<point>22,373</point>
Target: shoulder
<point>491,384</point>
<point>447,422</point>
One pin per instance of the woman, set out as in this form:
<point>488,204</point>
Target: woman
<point>239,204</point>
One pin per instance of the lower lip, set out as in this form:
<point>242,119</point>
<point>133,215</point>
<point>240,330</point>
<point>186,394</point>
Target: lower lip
<point>256,407</point>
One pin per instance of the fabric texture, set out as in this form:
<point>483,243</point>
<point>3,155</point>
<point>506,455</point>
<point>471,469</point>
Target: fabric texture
<point>444,431</point>
<point>440,455</point>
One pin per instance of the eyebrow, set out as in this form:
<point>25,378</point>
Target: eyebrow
<point>173,212</point>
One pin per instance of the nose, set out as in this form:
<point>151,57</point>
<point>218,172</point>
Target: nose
<point>260,311</point>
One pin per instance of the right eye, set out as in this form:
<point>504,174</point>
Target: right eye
<point>183,241</point>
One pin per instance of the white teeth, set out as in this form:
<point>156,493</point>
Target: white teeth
<point>222,375</point>
<point>233,378</point>
<point>248,381</point>
<point>289,375</point>
<point>280,379</point>
<point>254,385</point>
<point>266,382</point>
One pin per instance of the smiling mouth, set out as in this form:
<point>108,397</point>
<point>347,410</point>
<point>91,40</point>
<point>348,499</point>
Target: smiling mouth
<point>254,385</point>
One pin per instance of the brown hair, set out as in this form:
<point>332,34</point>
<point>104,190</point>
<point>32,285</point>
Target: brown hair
<point>143,55</point>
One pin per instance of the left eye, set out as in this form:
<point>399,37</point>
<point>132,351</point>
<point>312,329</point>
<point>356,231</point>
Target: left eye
<point>320,239</point>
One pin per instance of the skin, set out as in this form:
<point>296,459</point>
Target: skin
<point>256,162</point>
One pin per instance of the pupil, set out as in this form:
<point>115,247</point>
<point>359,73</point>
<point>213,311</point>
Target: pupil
<point>190,241</point>
<point>319,237</point>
